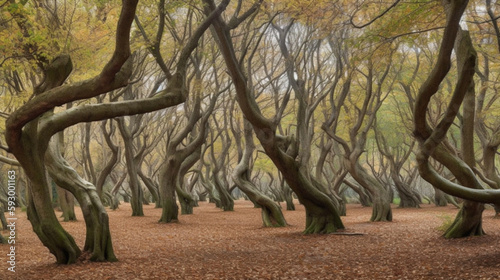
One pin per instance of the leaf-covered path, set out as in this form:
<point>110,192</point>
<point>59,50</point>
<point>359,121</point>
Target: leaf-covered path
<point>212,244</point>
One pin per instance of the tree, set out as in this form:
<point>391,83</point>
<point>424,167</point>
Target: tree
<point>29,129</point>
<point>430,140</point>
<point>363,118</point>
<point>321,214</point>
<point>409,198</point>
<point>178,160</point>
<point>271,212</point>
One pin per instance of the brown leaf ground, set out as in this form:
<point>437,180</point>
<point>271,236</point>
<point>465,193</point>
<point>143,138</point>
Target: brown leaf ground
<point>212,244</point>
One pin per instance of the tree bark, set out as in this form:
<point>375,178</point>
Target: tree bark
<point>271,212</point>
<point>98,237</point>
<point>468,221</point>
<point>168,180</point>
<point>440,198</point>
<point>115,155</point>
<point>135,187</point>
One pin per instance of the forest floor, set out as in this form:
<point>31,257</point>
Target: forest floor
<point>212,244</point>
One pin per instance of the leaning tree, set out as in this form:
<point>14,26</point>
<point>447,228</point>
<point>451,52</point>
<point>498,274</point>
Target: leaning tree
<point>321,214</point>
<point>430,139</point>
<point>30,128</point>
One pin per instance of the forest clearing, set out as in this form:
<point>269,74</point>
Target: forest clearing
<point>212,244</point>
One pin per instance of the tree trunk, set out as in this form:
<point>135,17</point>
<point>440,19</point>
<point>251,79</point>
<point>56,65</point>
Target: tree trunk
<point>226,200</point>
<point>67,203</point>
<point>288,196</point>
<point>380,195</point>
<point>98,237</point>
<point>321,215</point>
<point>115,152</point>
<point>135,187</point>
<point>29,150</point>
<point>3,221</point>
<point>271,212</point>
<point>364,198</point>
<point>468,221</point>
<point>408,198</point>
<point>152,187</point>
<point>42,217</point>
<point>168,181</point>
<point>185,200</point>
<point>440,198</point>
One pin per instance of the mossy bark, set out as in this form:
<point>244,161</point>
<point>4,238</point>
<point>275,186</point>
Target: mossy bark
<point>29,149</point>
<point>468,221</point>
<point>42,217</point>
<point>431,140</point>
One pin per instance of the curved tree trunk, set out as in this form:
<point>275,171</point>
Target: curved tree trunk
<point>135,187</point>
<point>489,153</point>
<point>364,198</point>
<point>66,198</point>
<point>168,180</point>
<point>185,200</point>
<point>219,162</point>
<point>288,196</point>
<point>42,216</point>
<point>115,155</point>
<point>226,200</point>
<point>112,200</point>
<point>380,195</point>
<point>321,214</point>
<point>29,150</point>
<point>153,189</point>
<point>468,221</point>
<point>271,212</point>
<point>67,203</point>
<point>440,198</point>
<point>3,221</point>
<point>28,142</point>
<point>98,236</point>
<point>408,198</point>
